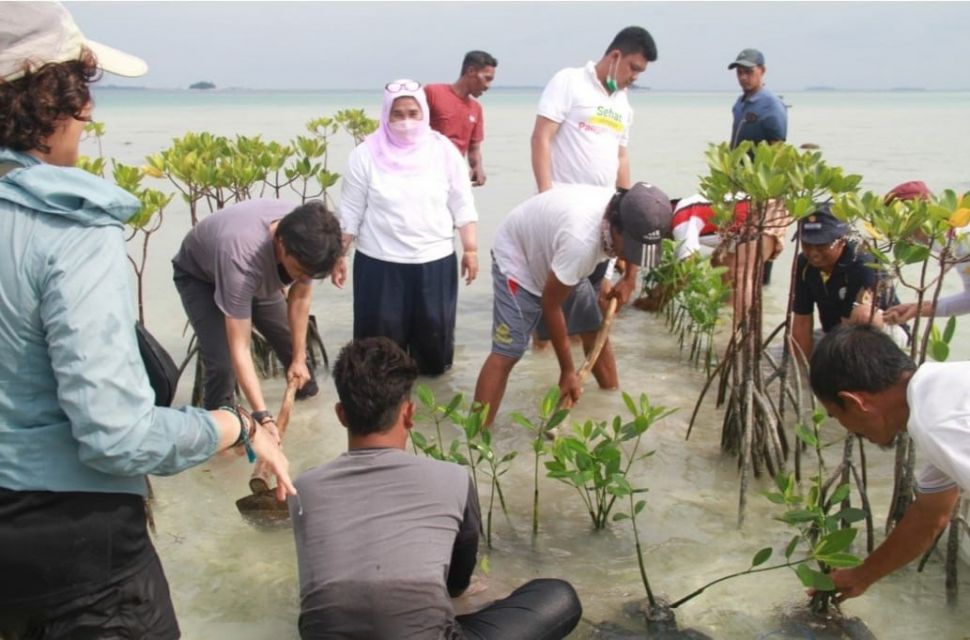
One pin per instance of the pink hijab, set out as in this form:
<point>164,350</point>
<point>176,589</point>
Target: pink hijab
<point>408,158</point>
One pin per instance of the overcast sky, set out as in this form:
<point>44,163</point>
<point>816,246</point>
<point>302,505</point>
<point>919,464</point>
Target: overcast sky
<point>362,45</point>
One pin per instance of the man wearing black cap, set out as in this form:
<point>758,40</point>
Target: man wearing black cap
<point>759,115</point>
<point>833,277</point>
<point>543,253</point>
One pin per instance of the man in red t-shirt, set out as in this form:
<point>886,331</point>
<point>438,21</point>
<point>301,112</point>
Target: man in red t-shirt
<point>456,114</point>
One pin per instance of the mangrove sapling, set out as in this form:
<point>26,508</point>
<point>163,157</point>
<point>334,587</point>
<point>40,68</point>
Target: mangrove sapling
<point>823,535</point>
<point>635,509</point>
<point>591,458</point>
<point>438,414</point>
<point>690,292</point>
<point>769,175</point>
<point>477,440</point>
<point>478,443</point>
<point>550,416</point>
<point>495,467</point>
<point>356,123</point>
<point>149,217</point>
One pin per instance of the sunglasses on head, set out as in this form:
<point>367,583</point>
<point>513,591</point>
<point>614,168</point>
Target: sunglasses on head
<point>397,87</point>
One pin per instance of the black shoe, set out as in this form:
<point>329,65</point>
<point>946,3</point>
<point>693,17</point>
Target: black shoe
<point>308,390</point>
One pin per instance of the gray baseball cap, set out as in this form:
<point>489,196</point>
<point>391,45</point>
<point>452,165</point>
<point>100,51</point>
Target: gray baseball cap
<point>748,58</point>
<point>645,216</point>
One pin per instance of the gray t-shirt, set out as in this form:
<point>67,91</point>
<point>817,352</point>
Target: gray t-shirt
<point>383,537</point>
<point>233,250</point>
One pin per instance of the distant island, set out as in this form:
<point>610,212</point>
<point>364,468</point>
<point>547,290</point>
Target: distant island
<point>202,85</point>
<point>907,89</point>
<point>820,88</point>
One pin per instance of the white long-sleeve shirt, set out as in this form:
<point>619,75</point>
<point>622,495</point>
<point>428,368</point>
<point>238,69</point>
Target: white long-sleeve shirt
<point>405,219</point>
<point>958,303</point>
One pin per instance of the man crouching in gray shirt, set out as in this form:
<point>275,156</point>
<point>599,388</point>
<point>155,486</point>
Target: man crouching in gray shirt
<point>383,538</point>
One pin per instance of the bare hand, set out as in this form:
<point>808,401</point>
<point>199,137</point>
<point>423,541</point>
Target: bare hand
<point>849,583</point>
<point>902,313</point>
<point>622,291</point>
<point>339,274</point>
<point>570,389</point>
<point>478,177</point>
<point>270,455</point>
<point>469,266</point>
<point>298,373</point>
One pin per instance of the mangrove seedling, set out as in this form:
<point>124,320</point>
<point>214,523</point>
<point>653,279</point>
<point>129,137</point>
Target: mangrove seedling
<point>478,444</point>
<point>592,459</point>
<point>635,509</point>
<point>691,293</point>
<point>823,533</point>
<point>550,416</point>
<point>495,466</point>
<point>438,414</point>
<point>478,452</point>
<point>149,217</point>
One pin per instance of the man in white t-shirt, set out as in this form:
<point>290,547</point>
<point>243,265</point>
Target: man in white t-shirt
<point>583,126</point>
<point>875,390</point>
<point>583,122</point>
<point>543,253</point>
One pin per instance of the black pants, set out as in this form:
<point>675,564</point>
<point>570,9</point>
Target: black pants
<point>543,609</point>
<point>413,304</point>
<point>80,566</point>
<point>209,323</point>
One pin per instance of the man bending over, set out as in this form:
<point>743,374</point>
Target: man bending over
<point>875,390</point>
<point>542,257</point>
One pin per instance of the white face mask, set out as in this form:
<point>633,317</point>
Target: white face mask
<point>407,130</point>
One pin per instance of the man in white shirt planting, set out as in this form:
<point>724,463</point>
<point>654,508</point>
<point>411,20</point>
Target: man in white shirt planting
<point>544,251</point>
<point>876,391</point>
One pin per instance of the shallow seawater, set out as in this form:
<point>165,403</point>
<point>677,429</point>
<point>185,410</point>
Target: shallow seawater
<point>232,580</point>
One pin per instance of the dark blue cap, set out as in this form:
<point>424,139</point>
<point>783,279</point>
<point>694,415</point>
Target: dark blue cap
<point>821,227</point>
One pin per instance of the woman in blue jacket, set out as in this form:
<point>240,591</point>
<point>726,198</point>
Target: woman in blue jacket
<point>78,429</point>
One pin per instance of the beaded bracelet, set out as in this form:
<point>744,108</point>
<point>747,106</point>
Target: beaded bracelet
<point>245,433</point>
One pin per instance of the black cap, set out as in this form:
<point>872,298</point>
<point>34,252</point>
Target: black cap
<point>645,216</point>
<point>748,58</point>
<point>821,227</point>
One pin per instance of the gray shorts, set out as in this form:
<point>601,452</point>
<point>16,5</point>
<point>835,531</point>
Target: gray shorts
<point>516,312</point>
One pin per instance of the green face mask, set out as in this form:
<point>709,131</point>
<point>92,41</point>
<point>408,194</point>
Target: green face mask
<point>611,76</point>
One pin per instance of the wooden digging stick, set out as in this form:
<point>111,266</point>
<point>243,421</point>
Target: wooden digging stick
<point>594,354</point>
<point>259,482</point>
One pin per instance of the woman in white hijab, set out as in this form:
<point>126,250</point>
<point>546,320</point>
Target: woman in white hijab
<point>405,191</point>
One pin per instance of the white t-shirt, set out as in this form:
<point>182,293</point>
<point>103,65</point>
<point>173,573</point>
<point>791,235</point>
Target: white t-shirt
<point>593,125</point>
<point>558,230</point>
<point>939,424</point>
<point>407,220</point>
<point>958,303</point>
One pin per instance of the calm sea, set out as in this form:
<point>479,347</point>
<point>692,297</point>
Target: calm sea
<point>231,581</point>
